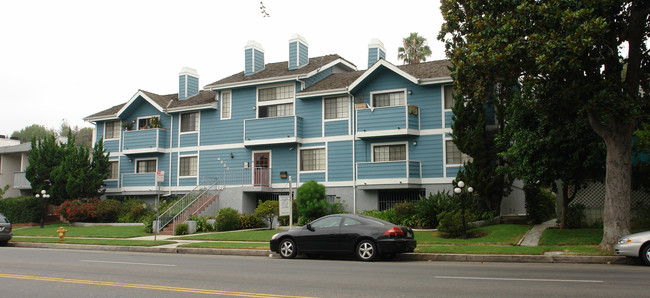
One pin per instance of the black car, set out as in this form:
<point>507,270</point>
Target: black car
<point>5,230</point>
<point>367,237</point>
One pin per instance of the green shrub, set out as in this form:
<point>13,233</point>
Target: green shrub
<point>133,210</point>
<point>108,210</point>
<point>82,210</point>
<point>267,210</point>
<point>202,224</point>
<point>228,219</point>
<point>311,199</point>
<point>429,207</point>
<point>147,220</point>
<point>451,223</point>
<point>404,213</point>
<point>575,216</point>
<point>21,209</point>
<point>540,204</point>
<point>251,221</point>
<point>387,215</point>
<point>180,229</point>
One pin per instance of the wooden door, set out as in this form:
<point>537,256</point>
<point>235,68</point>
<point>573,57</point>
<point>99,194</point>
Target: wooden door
<point>262,169</point>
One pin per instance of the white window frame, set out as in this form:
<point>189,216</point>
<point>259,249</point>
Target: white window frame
<point>197,122</point>
<point>179,165</point>
<point>372,97</point>
<point>444,102</point>
<point>135,164</point>
<point>464,157</point>
<point>119,129</point>
<point>313,148</point>
<point>347,101</point>
<point>229,106</point>
<point>275,102</point>
<point>372,150</point>
<point>117,175</point>
<point>137,120</point>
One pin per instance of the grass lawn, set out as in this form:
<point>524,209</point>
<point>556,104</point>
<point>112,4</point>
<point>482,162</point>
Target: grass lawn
<point>505,234</point>
<point>259,235</point>
<point>572,237</point>
<point>93,231</point>
<point>120,242</point>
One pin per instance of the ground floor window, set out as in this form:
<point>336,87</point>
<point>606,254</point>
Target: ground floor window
<point>188,166</point>
<point>113,170</point>
<point>389,152</point>
<point>312,159</point>
<point>455,156</point>
<point>388,198</point>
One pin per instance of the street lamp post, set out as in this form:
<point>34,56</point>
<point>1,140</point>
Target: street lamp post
<point>462,192</point>
<point>43,195</point>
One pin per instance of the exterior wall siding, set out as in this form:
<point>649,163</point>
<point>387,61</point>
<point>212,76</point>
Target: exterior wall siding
<point>336,128</point>
<point>339,161</point>
<point>310,110</point>
<point>189,139</point>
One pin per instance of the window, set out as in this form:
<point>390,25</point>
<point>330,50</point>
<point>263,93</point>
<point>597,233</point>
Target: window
<point>113,170</point>
<point>389,153</point>
<point>187,166</point>
<point>276,110</point>
<point>225,105</point>
<point>144,123</point>
<point>449,93</point>
<point>455,156</point>
<point>389,99</point>
<point>312,159</point>
<point>146,166</point>
<point>275,101</point>
<point>336,108</point>
<point>276,93</point>
<point>112,130</point>
<point>328,222</point>
<point>189,122</point>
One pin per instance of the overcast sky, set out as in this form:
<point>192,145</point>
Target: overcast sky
<point>70,59</point>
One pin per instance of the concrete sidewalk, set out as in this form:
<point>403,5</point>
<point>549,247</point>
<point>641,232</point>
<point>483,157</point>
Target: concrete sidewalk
<point>535,234</point>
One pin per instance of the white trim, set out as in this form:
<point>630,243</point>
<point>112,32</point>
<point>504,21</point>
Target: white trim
<point>388,133</point>
<point>197,108</point>
<point>272,141</point>
<point>384,63</point>
<point>312,148</point>
<point>379,92</point>
<point>134,97</point>
<point>440,80</point>
<point>229,91</point>
<point>178,172</point>
<point>331,64</point>
<point>323,93</point>
<point>198,123</point>
<point>373,145</point>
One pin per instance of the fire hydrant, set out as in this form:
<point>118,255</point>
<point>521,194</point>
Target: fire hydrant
<point>61,231</point>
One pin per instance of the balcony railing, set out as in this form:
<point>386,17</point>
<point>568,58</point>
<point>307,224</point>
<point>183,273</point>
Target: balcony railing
<point>389,172</point>
<point>20,182</point>
<point>145,141</point>
<point>388,121</point>
<point>272,130</point>
<point>138,179</point>
<point>247,176</point>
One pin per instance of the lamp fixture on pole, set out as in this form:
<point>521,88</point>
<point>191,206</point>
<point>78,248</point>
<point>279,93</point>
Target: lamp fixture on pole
<point>43,195</point>
<point>461,191</point>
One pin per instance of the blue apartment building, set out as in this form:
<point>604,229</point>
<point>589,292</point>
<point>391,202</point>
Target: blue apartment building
<point>373,137</point>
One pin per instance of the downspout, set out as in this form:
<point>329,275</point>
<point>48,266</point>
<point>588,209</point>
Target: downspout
<point>171,130</point>
<point>353,125</point>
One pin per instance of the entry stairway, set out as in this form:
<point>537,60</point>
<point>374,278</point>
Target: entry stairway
<point>193,203</point>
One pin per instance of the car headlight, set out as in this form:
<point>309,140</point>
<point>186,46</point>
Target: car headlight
<point>624,240</point>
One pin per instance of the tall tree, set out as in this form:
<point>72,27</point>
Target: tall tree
<point>415,49</point>
<point>30,132</point>
<point>573,48</point>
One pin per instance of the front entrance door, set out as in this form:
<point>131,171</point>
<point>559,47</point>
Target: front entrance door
<point>261,170</point>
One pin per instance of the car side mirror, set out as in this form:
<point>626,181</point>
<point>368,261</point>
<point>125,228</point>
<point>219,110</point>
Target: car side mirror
<point>309,227</point>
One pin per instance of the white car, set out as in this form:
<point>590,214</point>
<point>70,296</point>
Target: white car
<point>635,245</point>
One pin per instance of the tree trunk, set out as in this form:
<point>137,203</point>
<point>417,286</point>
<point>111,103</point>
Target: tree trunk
<point>618,180</point>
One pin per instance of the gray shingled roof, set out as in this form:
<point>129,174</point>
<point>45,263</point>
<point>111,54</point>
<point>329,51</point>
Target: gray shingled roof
<point>108,112</point>
<point>425,70</point>
<point>278,69</point>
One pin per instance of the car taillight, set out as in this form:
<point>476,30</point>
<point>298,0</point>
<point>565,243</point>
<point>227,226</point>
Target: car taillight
<point>394,231</point>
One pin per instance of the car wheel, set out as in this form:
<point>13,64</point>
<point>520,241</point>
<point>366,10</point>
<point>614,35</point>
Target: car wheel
<point>288,249</point>
<point>366,250</point>
<point>645,254</point>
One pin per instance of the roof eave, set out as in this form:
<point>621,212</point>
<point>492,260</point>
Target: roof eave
<point>134,97</point>
<point>388,65</point>
<point>440,80</point>
<point>253,82</point>
<point>322,93</point>
<point>212,105</point>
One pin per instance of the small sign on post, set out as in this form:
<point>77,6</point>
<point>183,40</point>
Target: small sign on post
<point>285,205</point>
<point>160,176</point>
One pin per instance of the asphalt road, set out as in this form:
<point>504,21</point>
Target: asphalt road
<point>30,272</point>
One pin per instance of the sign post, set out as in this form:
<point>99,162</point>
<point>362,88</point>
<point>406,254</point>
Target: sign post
<point>160,177</point>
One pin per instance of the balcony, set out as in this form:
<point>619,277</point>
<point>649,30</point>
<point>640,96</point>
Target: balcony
<point>139,180</point>
<point>389,172</point>
<point>20,182</point>
<point>388,121</point>
<point>145,141</point>
<point>272,130</point>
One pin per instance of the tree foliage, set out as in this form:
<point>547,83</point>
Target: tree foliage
<point>33,131</point>
<point>268,210</point>
<point>569,50</point>
<point>415,49</point>
<point>66,171</point>
<point>311,200</point>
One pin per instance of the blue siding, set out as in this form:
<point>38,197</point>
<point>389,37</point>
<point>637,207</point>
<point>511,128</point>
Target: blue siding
<point>189,139</point>
<point>283,159</point>
<point>218,132</point>
<point>372,56</point>
<point>142,179</point>
<point>248,61</point>
<point>110,184</point>
<point>271,128</point>
<point>304,55</point>
<point>293,55</point>
<point>181,87</point>
<point>317,77</point>
<point>310,110</point>
<point>378,170</point>
<point>384,118</point>
<point>452,171</point>
<point>187,181</point>
<point>112,146</point>
<point>382,54</point>
<point>339,161</point>
<point>192,86</point>
<point>212,163</point>
<point>259,60</point>
<point>99,134</point>
<point>336,128</point>
<point>173,174</point>
<point>185,153</point>
<point>429,151</point>
<point>448,120</point>
<point>145,139</point>
<point>319,177</point>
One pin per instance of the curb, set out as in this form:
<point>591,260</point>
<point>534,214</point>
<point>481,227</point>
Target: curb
<point>427,257</point>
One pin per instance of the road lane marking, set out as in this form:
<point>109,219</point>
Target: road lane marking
<point>520,279</point>
<point>147,287</point>
<point>128,263</point>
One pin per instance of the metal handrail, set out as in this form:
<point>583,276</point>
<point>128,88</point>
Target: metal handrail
<point>180,209</point>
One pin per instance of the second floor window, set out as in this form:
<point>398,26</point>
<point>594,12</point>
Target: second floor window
<point>389,153</point>
<point>336,108</point>
<point>389,99</point>
<point>112,130</point>
<point>448,91</point>
<point>226,103</point>
<point>276,93</point>
<point>187,166</point>
<point>276,110</point>
<point>312,159</point>
<point>455,156</point>
<point>113,170</point>
<point>146,166</point>
<point>189,122</point>
<point>144,123</point>
<point>275,101</point>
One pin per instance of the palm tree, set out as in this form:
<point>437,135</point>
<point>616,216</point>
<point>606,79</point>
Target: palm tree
<point>415,49</point>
